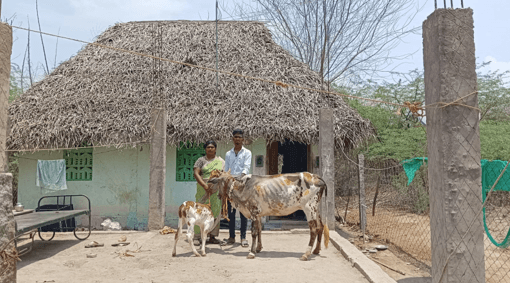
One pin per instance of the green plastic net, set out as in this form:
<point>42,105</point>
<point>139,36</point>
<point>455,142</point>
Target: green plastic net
<point>490,173</point>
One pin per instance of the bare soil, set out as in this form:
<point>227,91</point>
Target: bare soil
<point>409,235</point>
<point>394,263</point>
<point>64,260</point>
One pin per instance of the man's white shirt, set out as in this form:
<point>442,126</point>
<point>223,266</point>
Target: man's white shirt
<point>240,163</point>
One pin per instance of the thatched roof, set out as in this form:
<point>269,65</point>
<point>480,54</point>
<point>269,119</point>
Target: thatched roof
<point>104,96</point>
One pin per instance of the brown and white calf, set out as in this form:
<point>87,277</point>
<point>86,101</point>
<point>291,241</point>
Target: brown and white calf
<point>194,213</point>
<point>277,195</point>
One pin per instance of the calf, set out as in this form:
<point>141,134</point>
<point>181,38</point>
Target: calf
<point>277,195</point>
<point>194,213</point>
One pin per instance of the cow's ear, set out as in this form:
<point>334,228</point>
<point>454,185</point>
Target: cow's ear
<point>228,171</point>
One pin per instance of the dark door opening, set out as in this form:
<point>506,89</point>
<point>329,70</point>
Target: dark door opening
<point>294,161</point>
<point>294,156</point>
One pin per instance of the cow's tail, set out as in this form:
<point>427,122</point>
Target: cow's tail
<point>324,187</point>
<point>324,190</point>
<point>326,235</point>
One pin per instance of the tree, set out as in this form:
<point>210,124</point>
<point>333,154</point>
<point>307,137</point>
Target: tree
<point>398,137</point>
<point>493,92</point>
<point>408,88</point>
<point>494,137</point>
<point>337,38</point>
<point>494,95</point>
<point>399,133</point>
<point>16,88</point>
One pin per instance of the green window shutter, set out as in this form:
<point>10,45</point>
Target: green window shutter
<point>187,155</point>
<point>78,164</point>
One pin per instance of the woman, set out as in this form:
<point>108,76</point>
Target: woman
<point>202,170</point>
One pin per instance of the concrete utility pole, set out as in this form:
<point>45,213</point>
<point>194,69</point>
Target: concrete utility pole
<point>157,170</point>
<point>5,74</point>
<point>157,177</point>
<point>327,163</point>
<point>7,230</point>
<point>453,141</point>
<point>7,224</point>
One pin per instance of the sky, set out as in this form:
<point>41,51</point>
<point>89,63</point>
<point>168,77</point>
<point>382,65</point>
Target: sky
<point>86,19</point>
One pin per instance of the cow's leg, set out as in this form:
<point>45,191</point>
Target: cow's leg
<point>254,234</point>
<point>320,230</point>
<point>181,221</point>
<point>259,228</point>
<point>203,233</point>
<point>190,234</point>
<point>311,216</point>
<point>314,206</point>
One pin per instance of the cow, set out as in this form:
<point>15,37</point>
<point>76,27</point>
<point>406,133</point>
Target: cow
<point>194,213</point>
<point>276,195</point>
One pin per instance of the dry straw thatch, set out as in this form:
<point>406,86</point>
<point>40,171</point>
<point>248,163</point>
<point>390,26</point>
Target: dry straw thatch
<point>104,97</point>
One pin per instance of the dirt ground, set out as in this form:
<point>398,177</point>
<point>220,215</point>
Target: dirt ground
<point>64,260</point>
<point>411,233</point>
<point>390,261</point>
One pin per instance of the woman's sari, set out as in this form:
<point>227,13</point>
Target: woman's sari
<point>202,196</point>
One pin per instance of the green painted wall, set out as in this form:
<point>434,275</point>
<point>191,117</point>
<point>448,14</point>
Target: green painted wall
<point>119,189</point>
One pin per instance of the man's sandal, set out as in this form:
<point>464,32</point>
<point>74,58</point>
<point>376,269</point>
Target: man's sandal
<point>94,244</point>
<point>213,241</point>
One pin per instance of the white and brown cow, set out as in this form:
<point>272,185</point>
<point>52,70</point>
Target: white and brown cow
<point>277,195</point>
<point>194,213</point>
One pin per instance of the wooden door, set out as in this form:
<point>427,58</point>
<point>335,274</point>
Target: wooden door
<point>272,158</point>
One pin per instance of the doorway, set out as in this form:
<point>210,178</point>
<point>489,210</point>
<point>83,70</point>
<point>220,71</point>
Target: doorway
<point>295,160</point>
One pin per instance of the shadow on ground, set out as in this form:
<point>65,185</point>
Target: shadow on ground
<point>43,250</point>
<point>271,254</point>
<point>416,280</point>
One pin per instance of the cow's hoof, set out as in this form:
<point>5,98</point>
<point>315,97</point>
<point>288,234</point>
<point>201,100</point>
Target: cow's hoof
<point>258,250</point>
<point>174,254</point>
<point>198,255</point>
<point>251,256</point>
<point>304,258</point>
<point>204,254</point>
<point>316,252</point>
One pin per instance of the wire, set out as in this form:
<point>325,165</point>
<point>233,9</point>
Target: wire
<point>373,169</point>
<point>473,222</point>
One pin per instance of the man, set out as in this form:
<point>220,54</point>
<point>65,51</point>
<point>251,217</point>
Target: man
<point>238,161</point>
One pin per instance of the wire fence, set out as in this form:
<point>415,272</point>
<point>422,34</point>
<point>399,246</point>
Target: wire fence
<point>398,214</point>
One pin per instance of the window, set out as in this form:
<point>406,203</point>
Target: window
<point>187,155</point>
<point>78,164</point>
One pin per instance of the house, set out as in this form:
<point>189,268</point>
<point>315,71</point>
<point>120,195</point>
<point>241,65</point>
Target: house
<point>103,98</point>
